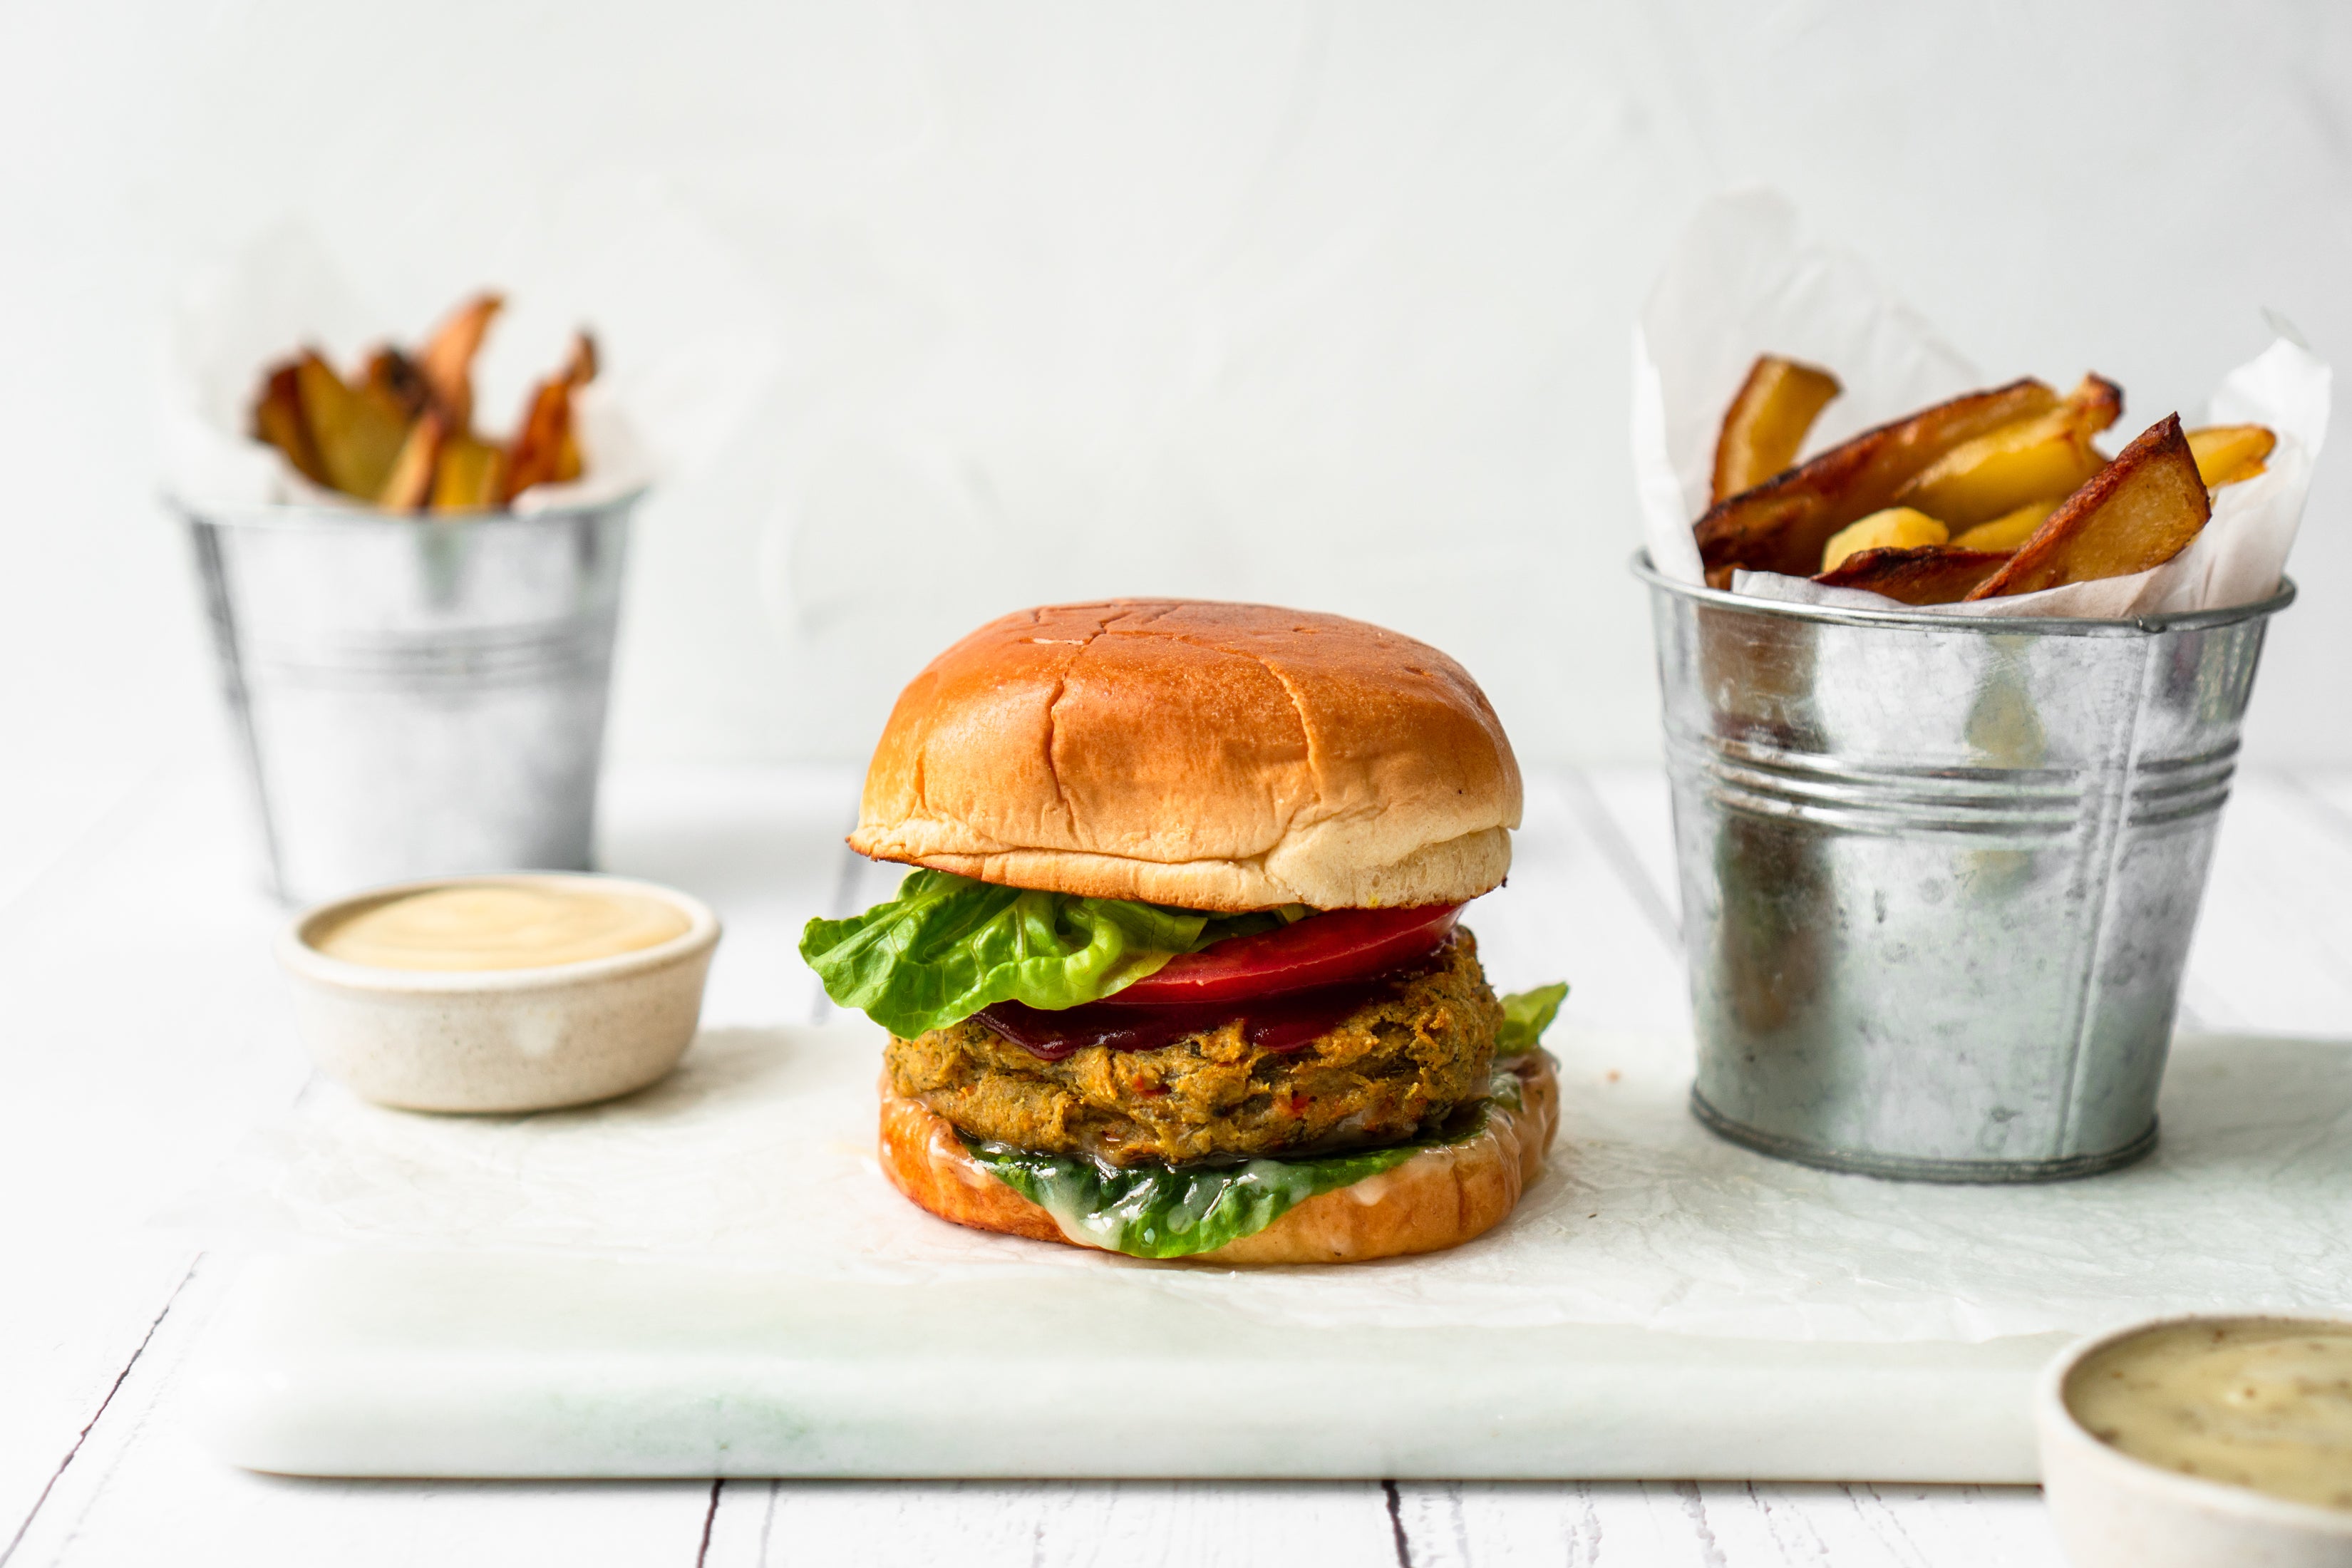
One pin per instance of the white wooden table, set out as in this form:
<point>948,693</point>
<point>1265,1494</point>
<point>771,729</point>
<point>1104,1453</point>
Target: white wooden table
<point>145,1036</point>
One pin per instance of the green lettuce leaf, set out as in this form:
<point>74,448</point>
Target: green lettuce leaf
<point>1154,1210</point>
<point>1526,1015</point>
<point>947,946</point>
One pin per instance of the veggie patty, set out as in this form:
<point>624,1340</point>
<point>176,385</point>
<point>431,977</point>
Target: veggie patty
<point>1403,1061</point>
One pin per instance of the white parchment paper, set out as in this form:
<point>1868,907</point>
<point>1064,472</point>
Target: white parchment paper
<point>758,1152</point>
<point>1742,282</point>
<point>679,374</point>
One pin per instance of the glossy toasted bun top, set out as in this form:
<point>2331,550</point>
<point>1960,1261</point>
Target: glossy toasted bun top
<point>1208,755</point>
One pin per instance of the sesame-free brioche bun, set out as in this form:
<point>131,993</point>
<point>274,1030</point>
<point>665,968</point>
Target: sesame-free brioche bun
<point>1439,1198</point>
<point>1211,756</point>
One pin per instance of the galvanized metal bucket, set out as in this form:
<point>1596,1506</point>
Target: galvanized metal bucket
<point>414,697</point>
<point>1939,874</point>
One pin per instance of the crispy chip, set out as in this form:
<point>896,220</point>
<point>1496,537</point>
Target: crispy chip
<point>1767,422</point>
<point>2139,511</point>
<point>2228,453</point>
<point>2006,532</point>
<point>1929,575</point>
<point>1783,524</point>
<point>546,449</point>
<point>447,362</point>
<point>580,369</point>
<point>359,432</point>
<point>393,377</point>
<point>411,480</point>
<point>1896,528</point>
<point>468,476</point>
<point>536,455</point>
<point>2046,457</point>
<point>277,419</point>
<point>401,436</point>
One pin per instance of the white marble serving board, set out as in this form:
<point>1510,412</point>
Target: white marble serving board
<point>439,1365</point>
<point>711,1278</point>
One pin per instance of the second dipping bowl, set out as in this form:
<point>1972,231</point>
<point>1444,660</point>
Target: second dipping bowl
<point>501,1039</point>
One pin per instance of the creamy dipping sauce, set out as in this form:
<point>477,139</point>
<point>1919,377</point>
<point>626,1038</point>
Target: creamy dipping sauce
<point>2253,1404</point>
<point>499,926</point>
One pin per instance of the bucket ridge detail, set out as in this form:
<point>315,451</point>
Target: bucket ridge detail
<point>2035,803</point>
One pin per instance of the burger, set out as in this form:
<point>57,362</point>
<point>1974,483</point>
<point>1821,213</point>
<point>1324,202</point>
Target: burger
<point>1179,971</point>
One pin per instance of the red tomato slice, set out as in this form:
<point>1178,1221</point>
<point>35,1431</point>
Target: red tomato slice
<point>1328,949</point>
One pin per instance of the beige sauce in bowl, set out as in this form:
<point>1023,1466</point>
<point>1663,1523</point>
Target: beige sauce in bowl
<point>498,925</point>
<point>2264,1404</point>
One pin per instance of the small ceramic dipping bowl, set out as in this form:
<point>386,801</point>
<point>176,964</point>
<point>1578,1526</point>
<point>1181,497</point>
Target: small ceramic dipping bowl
<point>2112,1510</point>
<point>505,1039</point>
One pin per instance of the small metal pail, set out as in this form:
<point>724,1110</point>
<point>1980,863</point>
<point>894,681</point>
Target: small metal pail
<point>1939,874</point>
<point>414,697</point>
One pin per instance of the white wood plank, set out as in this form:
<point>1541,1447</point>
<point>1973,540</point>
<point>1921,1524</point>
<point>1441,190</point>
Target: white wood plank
<point>762,846</point>
<point>1051,1524</point>
<point>2274,946</point>
<point>1920,1527</point>
<point>2331,790</point>
<point>54,816</point>
<point>149,1035</point>
<point>145,1036</point>
<point>65,1345</point>
<point>1568,913</point>
<point>92,1294</point>
<point>1723,1525</point>
<point>1502,1524</point>
<point>1641,809</point>
<point>1970,1527</point>
<point>144,1490</point>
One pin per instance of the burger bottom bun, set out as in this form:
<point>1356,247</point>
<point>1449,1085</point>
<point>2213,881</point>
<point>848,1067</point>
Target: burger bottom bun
<point>1440,1198</point>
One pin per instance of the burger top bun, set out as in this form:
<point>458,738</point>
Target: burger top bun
<point>1211,756</point>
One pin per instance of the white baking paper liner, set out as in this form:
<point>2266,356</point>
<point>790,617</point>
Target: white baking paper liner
<point>685,340</point>
<point>759,1151</point>
<point>1742,282</point>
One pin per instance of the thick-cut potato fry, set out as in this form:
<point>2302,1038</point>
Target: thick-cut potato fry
<point>2139,511</point>
<point>469,475</point>
<point>2006,532</point>
<point>1767,422</point>
<point>1930,575</point>
<point>578,371</point>
<point>2040,460</point>
<point>447,362</point>
<point>2095,403</point>
<point>410,484</point>
<point>1783,524</point>
<point>393,377</point>
<point>569,464</point>
<point>1896,528</point>
<point>359,434</point>
<point>2226,453</point>
<point>2044,458</point>
<point>277,419</point>
<point>580,366</point>
<point>545,450</point>
<point>400,437</point>
<point>536,455</point>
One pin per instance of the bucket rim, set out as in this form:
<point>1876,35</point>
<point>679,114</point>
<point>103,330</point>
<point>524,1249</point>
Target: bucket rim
<point>296,516</point>
<point>1991,625</point>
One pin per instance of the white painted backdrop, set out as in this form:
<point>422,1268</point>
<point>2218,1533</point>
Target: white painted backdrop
<point>1317,302</point>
